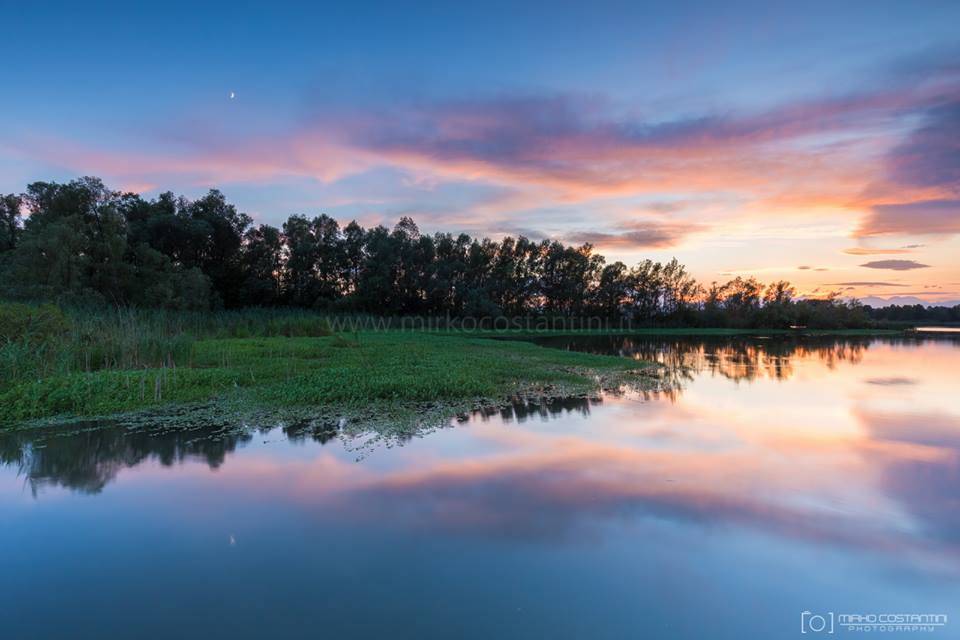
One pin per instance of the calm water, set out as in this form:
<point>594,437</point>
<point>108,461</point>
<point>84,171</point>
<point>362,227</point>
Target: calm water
<point>779,477</point>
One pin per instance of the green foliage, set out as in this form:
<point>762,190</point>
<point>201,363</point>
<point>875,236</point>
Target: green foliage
<point>916,313</point>
<point>9,221</point>
<point>42,341</point>
<point>375,369</point>
<point>80,242</point>
<point>31,324</point>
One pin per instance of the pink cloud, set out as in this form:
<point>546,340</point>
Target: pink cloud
<point>557,150</point>
<point>924,217</point>
<point>639,235</point>
<point>919,191</point>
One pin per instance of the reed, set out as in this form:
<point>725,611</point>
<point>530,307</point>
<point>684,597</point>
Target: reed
<point>40,341</point>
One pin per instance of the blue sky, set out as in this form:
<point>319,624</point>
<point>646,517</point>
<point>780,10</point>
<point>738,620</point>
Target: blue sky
<point>744,138</point>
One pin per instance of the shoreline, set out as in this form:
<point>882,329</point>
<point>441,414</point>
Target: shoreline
<point>390,374</point>
<point>395,376</point>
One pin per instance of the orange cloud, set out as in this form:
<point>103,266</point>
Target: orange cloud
<point>865,251</point>
<point>822,158</point>
<point>639,235</point>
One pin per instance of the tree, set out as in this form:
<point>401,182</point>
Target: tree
<point>329,260</point>
<point>83,240</point>
<point>299,281</point>
<point>645,291</point>
<point>73,243</point>
<point>612,293</point>
<point>262,265</point>
<point>10,224</point>
<point>216,232</point>
<point>778,308</point>
<point>568,275</point>
<point>741,301</point>
<point>377,292</point>
<point>352,256</point>
<point>679,291</point>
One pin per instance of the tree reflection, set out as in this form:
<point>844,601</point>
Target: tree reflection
<point>523,409</point>
<point>745,358</point>
<point>87,457</point>
<point>321,432</point>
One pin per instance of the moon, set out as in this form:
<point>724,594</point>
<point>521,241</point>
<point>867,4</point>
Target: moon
<point>232,95</point>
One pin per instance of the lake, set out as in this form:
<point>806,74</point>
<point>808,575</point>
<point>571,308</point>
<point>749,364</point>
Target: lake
<point>773,477</point>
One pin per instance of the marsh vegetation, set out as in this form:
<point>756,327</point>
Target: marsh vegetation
<point>93,364</point>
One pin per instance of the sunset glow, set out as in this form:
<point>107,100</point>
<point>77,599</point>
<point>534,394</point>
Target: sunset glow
<point>820,145</point>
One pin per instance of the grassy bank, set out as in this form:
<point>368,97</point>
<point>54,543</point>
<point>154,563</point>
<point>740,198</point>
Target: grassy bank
<point>77,363</point>
<point>40,341</point>
<point>352,373</point>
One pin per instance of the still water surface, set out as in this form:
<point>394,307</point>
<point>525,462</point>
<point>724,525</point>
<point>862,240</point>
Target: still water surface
<point>778,476</point>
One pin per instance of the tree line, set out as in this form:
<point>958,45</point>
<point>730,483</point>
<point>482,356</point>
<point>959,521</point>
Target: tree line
<point>82,241</point>
<point>914,313</point>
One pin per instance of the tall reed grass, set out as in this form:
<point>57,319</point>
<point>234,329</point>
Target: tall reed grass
<point>37,341</point>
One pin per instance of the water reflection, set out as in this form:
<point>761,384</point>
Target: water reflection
<point>522,410</point>
<point>87,457</point>
<point>921,470</point>
<point>831,481</point>
<point>738,358</point>
<point>320,432</point>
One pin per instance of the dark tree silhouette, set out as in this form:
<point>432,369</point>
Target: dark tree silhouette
<point>82,241</point>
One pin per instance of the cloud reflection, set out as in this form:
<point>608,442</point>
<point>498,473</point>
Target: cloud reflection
<point>927,486</point>
<point>872,479</point>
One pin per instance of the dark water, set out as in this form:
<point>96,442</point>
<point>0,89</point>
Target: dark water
<point>779,477</point>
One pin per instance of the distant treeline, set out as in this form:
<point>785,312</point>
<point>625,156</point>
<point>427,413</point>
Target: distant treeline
<point>84,242</point>
<point>915,313</point>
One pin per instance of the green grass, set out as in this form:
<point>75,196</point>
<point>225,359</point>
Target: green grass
<point>42,341</point>
<point>357,372</point>
<point>84,363</point>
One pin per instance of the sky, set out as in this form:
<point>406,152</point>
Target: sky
<point>813,142</point>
